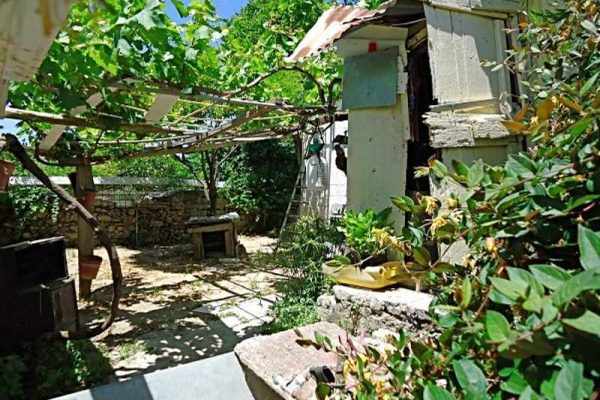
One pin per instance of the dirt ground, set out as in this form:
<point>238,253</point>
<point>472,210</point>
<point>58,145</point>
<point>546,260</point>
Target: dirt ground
<point>176,309</point>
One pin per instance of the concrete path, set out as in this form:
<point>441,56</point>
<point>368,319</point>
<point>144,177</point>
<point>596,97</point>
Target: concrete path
<point>216,378</point>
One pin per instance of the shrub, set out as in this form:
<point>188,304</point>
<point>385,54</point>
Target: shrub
<point>522,317</point>
<point>12,369</point>
<point>303,248</point>
<point>358,228</point>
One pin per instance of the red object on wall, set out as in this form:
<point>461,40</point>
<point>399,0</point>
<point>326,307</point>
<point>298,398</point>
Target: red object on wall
<point>372,47</point>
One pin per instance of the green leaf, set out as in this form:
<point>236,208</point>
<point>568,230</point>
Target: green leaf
<point>534,302</point>
<point>526,278</point>
<point>181,8</point>
<point>404,203</point>
<point>549,275</point>
<point>589,322</point>
<point>323,390</point>
<point>433,392</point>
<point>529,394</point>
<point>589,85</point>
<point>470,378</point>
<point>421,256</point>
<point>518,169</point>
<point>515,384</point>
<point>582,282</point>
<point>511,289</point>
<point>467,293</point>
<point>438,168</point>
<point>461,168</point>
<point>497,326</point>
<point>101,58</point>
<point>476,174</point>
<point>571,384</point>
<point>589,248</point>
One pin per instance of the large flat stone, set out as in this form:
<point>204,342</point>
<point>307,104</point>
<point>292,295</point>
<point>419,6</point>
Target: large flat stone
<point>217,378</point>
<point>394,297</point>
<point>277,367</point>
<point>365,311</point>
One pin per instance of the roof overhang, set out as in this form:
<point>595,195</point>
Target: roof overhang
<point>340,21</point>
<point>28,30</point>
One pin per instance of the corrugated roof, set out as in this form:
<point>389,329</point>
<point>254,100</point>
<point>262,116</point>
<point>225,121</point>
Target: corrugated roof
<point>337,21</point>
<point>330,27</point>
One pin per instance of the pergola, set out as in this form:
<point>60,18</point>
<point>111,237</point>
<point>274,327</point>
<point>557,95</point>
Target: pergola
<point>23,48</point>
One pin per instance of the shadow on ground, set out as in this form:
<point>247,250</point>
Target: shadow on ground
<point>176,310</point>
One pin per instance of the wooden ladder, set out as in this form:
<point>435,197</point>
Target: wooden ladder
<point>294,206</point>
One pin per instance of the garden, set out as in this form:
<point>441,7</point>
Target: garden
<point>516,315</point>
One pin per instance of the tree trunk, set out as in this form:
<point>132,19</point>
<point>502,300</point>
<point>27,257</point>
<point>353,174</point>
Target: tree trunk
<point>85,233</point>
<point>213,172</point>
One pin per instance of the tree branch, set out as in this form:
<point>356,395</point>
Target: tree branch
<point>12,144</point>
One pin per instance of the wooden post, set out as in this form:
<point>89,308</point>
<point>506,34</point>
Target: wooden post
<point>85,234</point>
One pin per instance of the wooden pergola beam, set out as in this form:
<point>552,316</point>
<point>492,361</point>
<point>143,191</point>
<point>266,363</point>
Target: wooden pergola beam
<point>97,123</point>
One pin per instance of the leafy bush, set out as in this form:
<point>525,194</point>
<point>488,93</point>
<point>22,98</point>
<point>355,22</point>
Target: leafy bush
<point>12,369</point>
<point>522,317</point>
<point>358,228</point>
<point>302,249</point>
<point>259,179</point>
<point>62,367</point>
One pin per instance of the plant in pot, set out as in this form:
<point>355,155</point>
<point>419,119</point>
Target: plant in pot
<point>6,170</point>
<point>365,254</point>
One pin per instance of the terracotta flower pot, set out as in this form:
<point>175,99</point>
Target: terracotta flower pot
<point>89,199</point>
<point>89,266</point>
<point>6,170</point>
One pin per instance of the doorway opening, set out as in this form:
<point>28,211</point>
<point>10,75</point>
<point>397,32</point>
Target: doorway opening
<point>420,99</point>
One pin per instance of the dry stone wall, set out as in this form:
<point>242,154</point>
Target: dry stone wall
<point>155,220</point>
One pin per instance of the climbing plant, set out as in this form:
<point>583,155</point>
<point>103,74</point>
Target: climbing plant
<point>520,316</point>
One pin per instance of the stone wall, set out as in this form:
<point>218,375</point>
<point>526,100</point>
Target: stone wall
<point>157,219</point>
<point>364,311</point>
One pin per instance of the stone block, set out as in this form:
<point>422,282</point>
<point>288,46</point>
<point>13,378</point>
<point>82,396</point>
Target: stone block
<point>277,367</point>
<point>365,311</point>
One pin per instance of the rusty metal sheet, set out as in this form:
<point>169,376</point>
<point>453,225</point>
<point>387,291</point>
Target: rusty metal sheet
<point>339,20</point>
<point>330,27</point>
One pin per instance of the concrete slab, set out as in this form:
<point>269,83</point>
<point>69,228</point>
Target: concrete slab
<point>217,378</point>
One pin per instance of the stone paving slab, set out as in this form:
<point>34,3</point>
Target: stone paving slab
<point>276,366</point>
<point>217,378</point>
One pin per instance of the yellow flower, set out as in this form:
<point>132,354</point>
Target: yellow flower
<point>438,223</point>
<point>490,245</point>
<point>451,203</point>
<point>431,204</point>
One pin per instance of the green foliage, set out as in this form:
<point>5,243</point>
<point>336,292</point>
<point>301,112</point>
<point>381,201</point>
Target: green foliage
<point>66,366</point>
<point>520,316</point>
<point>12,369</point>
<point>46,369</point>
<point>358,228</point>
<point>259,179</point>
<point>303,248</point>
<point>33,205</point>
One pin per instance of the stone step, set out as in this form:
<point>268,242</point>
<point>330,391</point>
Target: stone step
<point>216,378</point>
<point>277,367</point>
